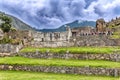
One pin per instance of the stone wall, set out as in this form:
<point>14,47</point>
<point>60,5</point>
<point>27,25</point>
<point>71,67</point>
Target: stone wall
<point>51,44</point>
<point>62,69</point>
<point>111,57</point>
<point>8,48</point>
<point>86,40</point>
<point>94,40</point>
<point>51,39</point>
<point>50,36</point>
<point>19,36</point>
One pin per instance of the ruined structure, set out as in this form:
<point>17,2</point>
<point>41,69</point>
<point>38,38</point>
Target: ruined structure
<point>51,39</point>
<point>21,36</point>
<point>100,26</point>
<point>81,36</point>
<point>82,31</point>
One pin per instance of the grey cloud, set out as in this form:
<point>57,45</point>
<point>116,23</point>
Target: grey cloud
<point>53,13</point>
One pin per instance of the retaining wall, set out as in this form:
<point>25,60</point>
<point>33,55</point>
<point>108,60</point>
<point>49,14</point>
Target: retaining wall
<point>111,57</point>
<point>67,70</point>
<point>9,48</point>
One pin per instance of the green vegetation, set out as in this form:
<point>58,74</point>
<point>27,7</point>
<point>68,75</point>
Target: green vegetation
<point>58,62</point>
<point>5,40</point>
<point>116,35</point>
<point>6,25</point>
<point>20,75</point>
<point>93,50</point>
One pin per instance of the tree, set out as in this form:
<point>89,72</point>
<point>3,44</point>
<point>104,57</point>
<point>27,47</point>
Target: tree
<point>6,19</point>
<point>5,27</point>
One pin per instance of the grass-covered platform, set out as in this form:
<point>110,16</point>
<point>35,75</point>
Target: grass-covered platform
<point>20,75</point>
<point>71,66</point>
<point>59,62</point>
<point>93,50</point>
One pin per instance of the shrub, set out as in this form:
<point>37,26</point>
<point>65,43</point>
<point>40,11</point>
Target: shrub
<point>5,40</point>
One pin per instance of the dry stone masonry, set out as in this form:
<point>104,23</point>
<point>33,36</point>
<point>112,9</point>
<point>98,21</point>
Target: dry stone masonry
<point>63,69</point>
<point>8,49</point>
<point>110,57</point>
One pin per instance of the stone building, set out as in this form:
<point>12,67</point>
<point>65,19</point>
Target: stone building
<point>50,36</point>
<point>51,39</point>
<point>82,31</point>
<point>21,36</point>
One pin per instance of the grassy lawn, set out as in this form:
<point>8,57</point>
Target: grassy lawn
<point>19,75</point>
<point>59,62</point>
<point>93,50</point>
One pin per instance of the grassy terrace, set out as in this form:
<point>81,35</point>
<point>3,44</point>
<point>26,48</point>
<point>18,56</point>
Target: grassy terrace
<point>19,75</point>
<point>93,50</point>
<point>58,62</point>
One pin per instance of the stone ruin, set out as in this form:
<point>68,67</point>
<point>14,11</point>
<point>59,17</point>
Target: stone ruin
<point>100,26</point>
<point>82,36</point>
<point>51,39</point>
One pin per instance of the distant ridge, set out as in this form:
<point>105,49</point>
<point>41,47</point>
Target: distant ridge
<point>74,24</point>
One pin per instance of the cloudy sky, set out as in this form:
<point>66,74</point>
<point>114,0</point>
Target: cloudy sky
<point>53,13</point>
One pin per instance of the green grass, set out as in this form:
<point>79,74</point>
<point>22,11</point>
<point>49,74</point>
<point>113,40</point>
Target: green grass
<point>59,62</point>
<point>93,50</point>
<point>20,75</point>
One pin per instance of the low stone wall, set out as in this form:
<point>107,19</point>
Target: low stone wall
<point>94,40</point>
<point>9,48</point>
<point>67,70</point>
<point>111,57</point>
<point>50,44</point>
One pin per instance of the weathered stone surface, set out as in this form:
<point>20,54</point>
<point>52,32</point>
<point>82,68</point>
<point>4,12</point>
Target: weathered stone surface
<point>111,57</point>
<point>68,70</point>
<point>100,25</point>
<point>94,40</point>
<point>8,49</point>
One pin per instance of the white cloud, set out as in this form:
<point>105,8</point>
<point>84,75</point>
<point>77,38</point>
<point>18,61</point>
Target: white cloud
<point>53,13</point>
<point>103,9</point>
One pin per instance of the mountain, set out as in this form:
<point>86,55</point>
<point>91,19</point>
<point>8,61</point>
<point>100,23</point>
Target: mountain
<point>77,23</point>
<point>18,24</point>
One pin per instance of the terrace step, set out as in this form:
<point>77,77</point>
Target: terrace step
<point>83,53</point>
<point>81,56</point>
<point>84,67</point>
<point>11,75</point>
<point>59,62</point>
